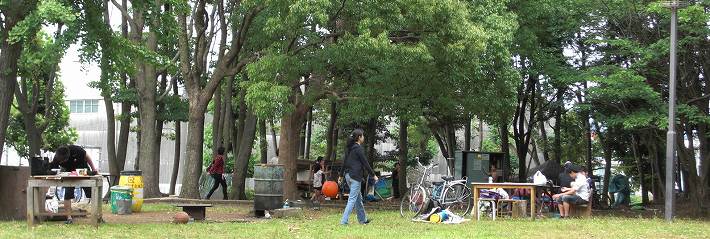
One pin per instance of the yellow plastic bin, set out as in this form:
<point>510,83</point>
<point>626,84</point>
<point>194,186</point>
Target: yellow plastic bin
<point>134,180</point>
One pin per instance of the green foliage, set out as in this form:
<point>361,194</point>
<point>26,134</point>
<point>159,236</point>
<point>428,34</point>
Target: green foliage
<point>624,99</point>
<point>57,133</point>
<point>400,57</point>
<point>175,108</point>
<point>42,93</point>
<point>267,99</point>
<point>48,11</point>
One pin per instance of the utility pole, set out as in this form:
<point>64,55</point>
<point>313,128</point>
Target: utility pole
<point>671,135</point>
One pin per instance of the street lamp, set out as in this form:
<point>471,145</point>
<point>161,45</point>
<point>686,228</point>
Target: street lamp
<point>670,136</point>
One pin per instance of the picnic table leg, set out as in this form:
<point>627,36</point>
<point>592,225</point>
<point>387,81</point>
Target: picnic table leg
<point>96,206</point>
<point>533,195</point>
<point>475,203</point>
<point>30,206</point>
<point>38,206</point>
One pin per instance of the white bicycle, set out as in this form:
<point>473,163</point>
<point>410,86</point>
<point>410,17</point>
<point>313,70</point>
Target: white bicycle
<point>450,194</point>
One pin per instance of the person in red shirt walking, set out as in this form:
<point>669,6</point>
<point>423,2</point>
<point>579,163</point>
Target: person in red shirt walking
<point>216,169</point>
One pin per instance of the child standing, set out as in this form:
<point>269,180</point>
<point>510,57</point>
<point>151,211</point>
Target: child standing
<point>317,197</point>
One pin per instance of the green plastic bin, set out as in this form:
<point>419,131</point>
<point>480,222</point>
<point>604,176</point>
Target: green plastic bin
<point>121,200</point>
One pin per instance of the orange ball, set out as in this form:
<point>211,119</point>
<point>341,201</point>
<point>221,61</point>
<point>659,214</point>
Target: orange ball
<point>181,218</point>
<point>330,189</point>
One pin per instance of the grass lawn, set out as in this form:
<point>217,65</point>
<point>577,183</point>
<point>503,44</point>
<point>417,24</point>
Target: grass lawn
<point>386,224</point>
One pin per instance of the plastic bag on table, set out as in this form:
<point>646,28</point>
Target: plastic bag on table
<point>539,178</point>
<point>503,194</point>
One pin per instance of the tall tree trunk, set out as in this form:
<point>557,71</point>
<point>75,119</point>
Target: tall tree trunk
<point>242,119</point>
<point>639,167</point>
<point>607,169</point>
<point>148,136</point>
<point>441,141</point>
<point>543,139</point>
<point>228,115</point>
<point>558,126</point>
<point>403,155</point>
<point>644,191</point>
<point>330,132</point>
<point>178,146</point>
<point>586,115</point>
<point>291,125</point>
<point>193,162</point>
<point>14,12</point>
<point>522,126</point>
<point>302,139</point>
<point>467,135</point>
<point>263,144</point>
<point>659,174</point>
<point>273,137</point>
<point>34,135</point>
<point>125,128</point>
<point>146,84</point>
<point>137,159</point>
<point>106,94</point>
<point>159,125</point>
<point>216,119</point>
<point>453,146</point>
<point>505,148</point>
<point>309,134</point>
<point>534,155</point>
<point>238,135</point>
<point>176,159</point>
<point>588,144</point>
<point>696,177</point>
<point>194,69</point>
<point>607,152</point>
<point>480,135</point>
<point>336,137</point>
<point>522,151</point>
<point>371,139</point>
<point>241,162</point>
<point>9,55</point>
<point>113,167</point>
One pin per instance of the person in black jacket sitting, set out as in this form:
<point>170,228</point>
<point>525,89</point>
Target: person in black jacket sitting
<point>355,163</point>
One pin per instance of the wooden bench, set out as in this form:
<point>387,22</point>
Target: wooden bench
<point>196,211</point>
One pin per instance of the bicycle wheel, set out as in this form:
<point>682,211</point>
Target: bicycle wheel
<point>457,198</point>
<point>413,202</point>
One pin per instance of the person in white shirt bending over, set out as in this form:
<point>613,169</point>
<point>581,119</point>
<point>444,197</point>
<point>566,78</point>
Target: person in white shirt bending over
<point>577,194</point>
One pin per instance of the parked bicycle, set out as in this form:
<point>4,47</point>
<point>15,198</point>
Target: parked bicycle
<point>450,194</point>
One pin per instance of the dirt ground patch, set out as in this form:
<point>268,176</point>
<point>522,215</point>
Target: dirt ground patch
<point>165,213</point>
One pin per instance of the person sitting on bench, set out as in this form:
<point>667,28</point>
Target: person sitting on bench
<point>577,194</point>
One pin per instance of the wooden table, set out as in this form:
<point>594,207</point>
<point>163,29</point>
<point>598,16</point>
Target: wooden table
<point>35,211</point>
<point>476,187</point>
